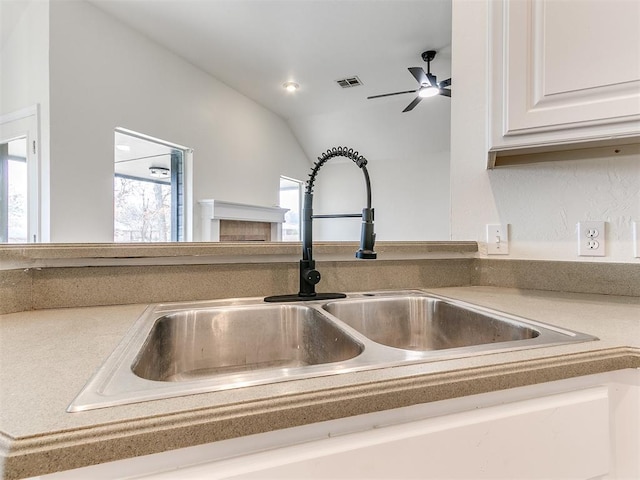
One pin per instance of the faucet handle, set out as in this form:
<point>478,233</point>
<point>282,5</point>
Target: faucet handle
<point>312,276</point>
<point>309,277</point>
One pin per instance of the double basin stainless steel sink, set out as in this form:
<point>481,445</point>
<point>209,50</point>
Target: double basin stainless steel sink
<point>188,348</point>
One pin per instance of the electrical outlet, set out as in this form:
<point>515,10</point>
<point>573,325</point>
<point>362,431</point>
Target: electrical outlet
<point>636,239</point>
<point>591,239</point>
<point>498,239</point>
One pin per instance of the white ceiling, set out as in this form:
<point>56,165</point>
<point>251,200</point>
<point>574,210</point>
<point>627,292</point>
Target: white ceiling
<point>255,46</point>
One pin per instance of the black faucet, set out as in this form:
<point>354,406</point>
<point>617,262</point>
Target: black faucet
<point>309,276</point>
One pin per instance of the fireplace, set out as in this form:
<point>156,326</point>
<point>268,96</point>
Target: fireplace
<point>238,222</point>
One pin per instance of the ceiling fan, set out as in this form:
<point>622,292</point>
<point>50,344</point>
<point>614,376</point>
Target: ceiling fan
<point>429,85</point>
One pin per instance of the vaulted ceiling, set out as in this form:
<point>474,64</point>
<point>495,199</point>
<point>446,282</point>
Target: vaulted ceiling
<point>255,46</point>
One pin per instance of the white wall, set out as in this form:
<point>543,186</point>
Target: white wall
<point>542,202</point>
<point>24,74</point>
<point>105,75</point>
<point>408,162</point>
<point>24,55</point>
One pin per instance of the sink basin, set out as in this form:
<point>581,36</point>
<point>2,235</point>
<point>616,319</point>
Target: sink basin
<point>197,344</point>
<point>426,323</point>
<point>183,349</point>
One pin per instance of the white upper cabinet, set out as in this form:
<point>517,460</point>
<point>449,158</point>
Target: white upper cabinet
<point>563,74</point>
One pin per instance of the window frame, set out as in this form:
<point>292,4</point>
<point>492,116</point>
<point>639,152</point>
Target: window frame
<point>181,184</point>
<point>300,184</point>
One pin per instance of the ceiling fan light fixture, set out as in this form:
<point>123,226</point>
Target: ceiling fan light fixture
<point>428,83</point>
<point>426,92</point>
<point>290,86</point>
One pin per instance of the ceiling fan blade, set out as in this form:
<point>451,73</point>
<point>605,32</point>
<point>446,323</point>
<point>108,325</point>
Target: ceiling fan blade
<point>445,83</point>
<point>419,75</point>
<point>446,93</point>
<point>389,94</point>
<point>412,105</point>
<point>433,81</point>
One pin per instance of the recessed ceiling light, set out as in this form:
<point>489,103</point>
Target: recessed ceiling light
<point>123,148</point>
<point>290,86</point>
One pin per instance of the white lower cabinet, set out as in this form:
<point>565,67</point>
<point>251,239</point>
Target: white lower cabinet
<point>582,428</point>
<point>560,436</point>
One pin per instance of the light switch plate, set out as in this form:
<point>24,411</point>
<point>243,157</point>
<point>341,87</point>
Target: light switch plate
<point>498,239</point>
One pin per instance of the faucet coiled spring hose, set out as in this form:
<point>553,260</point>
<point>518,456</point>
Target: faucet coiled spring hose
<point>340,152</point>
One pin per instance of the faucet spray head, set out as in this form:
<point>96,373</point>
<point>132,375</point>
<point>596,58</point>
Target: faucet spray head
<point>367,236</point>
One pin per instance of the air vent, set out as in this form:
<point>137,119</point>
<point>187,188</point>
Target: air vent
<point>349,82</point>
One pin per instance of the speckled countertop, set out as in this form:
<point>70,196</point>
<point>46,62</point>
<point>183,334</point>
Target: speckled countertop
<point>46,357</point>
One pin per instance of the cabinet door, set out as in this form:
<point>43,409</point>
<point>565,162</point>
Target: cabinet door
<point>564,71</point>
<point>559,436</point>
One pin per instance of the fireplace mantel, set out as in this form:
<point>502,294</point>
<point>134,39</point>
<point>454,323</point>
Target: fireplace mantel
<point>214,211</point>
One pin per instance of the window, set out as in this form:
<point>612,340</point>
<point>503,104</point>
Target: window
<point>291,198</point>
<point>14,223</point>
<point>149,200</point>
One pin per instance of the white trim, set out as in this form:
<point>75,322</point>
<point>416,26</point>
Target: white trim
<point>20,114</point>
<point>188,194</point>
<point>133,133</point>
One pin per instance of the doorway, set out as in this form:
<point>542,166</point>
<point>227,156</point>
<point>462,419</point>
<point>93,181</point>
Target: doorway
<point>14,223</point>
<point>19,177</point>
